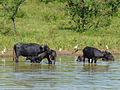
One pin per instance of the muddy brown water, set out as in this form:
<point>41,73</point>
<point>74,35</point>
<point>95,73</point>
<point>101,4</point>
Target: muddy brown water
<point>66,74</point>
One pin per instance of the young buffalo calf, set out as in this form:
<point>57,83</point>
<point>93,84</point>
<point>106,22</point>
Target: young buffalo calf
<point>50,55</point>
<point>80,58</point>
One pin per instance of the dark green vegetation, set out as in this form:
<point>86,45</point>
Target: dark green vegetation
<point>48,22</point>
<point>87,14</point>
<point>10,8</point>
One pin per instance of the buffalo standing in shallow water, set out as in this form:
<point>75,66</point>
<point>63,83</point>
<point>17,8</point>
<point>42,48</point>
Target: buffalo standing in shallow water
<point>94,54</point>
<point>28,50</point>
<point>49,54</point>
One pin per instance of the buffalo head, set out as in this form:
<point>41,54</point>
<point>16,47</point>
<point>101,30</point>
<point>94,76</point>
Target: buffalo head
<point>46,48</point>
<point>108,56</point>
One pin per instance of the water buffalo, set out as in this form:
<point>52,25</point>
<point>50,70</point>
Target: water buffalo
<point>28,49</point>
<point>80,58</point>
<point>49,54</point>
<point>94,54</point>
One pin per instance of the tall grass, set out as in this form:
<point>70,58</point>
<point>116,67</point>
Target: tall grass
<point>47,24</point>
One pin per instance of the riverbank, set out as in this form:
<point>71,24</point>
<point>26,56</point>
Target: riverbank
<point>64,52</point>
<point>48,24</point>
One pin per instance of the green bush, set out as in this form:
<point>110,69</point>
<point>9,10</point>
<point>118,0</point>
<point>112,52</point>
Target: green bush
<point>87,14</point>
<point>47,1</point>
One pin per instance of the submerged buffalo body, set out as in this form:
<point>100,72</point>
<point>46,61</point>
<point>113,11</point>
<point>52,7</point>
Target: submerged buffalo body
<point>94,54</point>
<point>28,49</point>
<point>49,54</point>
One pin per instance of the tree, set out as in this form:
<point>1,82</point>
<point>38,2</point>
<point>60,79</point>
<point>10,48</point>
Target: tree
<point>11,8</point>
<point>86,14</point>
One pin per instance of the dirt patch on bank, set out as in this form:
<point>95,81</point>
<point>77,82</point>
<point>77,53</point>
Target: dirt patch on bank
<point>63,52</point>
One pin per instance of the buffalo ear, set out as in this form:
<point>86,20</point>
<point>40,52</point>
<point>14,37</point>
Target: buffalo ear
<point>42,46</point>
<point>105,51</point>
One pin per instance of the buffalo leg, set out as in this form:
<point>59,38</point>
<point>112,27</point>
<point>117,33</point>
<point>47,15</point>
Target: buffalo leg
<point>92,61</point>
<point>49,61</point>
<point>38,60</point>
<point>88,60</point>
<point>84,59</point>
<point>17,58</point>
<point>54,60</point>
<point>32,60</point>
<point>95,60</point>
<point>13,55</point>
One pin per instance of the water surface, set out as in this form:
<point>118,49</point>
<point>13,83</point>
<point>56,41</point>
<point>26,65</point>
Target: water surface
<point>66,74</point>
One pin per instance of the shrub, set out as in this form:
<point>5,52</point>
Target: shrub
<point>47,1</point>
<point>86,14</point>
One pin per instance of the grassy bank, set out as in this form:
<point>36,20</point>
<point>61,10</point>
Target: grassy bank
<point>48,24</point>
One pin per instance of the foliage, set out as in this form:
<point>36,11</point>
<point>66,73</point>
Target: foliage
<point>86,14</point>
<point>42,25</point>
<point>10,8</point>
<point>47,1</point>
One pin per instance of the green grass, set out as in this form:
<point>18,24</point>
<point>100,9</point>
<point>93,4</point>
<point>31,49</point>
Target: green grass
<point>48,24</point>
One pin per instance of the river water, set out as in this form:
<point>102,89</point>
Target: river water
<point>66,74</point>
